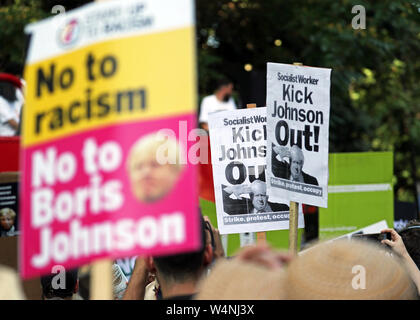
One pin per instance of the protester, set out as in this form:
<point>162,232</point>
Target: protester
<point>255,273</point>
<point>221,100</point>
<point>11,101</point>
<point>398,246</point>
<point>213,237</point>
<point>411,238</point>
<point>348,270</point>
<point>178,274</point>
<point>57,287</point>
<point>119,282</point>
<point>340,270</point>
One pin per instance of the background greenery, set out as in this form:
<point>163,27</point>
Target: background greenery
<point>375,102</point>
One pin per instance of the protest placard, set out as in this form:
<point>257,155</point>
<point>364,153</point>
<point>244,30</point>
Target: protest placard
<point>9,205</point>
<point>101,178</point>
<point>298,107</point>
<point>238,149</point>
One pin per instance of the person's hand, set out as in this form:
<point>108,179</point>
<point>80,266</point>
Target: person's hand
<point>263,255</point>
<point>140,265</point>
<point>137,284</point>
<point>218,250</point>
<point>396,242</point>
<point>397,245</point>
<point>282,151</point>
<point>238,189</point>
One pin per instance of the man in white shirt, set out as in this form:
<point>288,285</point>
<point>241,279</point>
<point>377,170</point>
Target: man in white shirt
<point>11,101</point>
<point>221,100</point>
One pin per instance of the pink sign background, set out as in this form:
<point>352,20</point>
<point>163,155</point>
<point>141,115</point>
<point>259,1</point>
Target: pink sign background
<point>183,198</point>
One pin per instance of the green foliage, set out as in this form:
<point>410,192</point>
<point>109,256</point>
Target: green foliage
<point>376,71</point>
<point>13,19</point>
<point>375,103</point>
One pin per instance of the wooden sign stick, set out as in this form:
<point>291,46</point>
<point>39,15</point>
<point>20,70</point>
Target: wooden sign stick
<point>101,280</point>
<point>101,276</point>
<point>293,217</point>
<point>293,226</point>
<point>261,236</point>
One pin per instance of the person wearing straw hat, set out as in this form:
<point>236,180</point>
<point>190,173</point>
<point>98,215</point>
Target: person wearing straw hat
<point>11,286</point>
<point>339,270</point>
<point>398,245</point>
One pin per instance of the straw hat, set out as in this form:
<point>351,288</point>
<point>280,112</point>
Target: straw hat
<point>10,285</point>
<point>336,270</point>
<point>238,280</point>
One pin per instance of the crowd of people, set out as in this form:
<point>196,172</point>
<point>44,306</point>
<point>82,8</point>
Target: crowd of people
<point>341,269</point>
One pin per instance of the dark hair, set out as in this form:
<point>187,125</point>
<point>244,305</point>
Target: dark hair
<point>222,82</point>
<point>8,91</point>
<point>184,266</point>
<point>411,238</point>
<point>49,292</point>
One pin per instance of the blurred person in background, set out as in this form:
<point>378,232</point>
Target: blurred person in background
<point>178,275</point>
<point>338,270</point>
<point>398,246</point>
<point>11,102</point>
<point>220,100</point>
<point>55,286</point>
<point>10,285</point>
<point>411,238</point>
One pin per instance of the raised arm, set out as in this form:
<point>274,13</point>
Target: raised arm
<point>397,245</point>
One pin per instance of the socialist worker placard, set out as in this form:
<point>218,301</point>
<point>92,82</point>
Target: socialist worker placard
<point>238,148</point>
<point>298,112</point>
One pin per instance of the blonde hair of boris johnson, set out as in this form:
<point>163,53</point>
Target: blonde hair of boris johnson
<point>9,212</point>
<point>162,147</point>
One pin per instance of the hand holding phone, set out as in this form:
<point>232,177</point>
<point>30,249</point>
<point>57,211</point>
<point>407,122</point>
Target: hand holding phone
<point>396,243</point>
<point>376,237</point>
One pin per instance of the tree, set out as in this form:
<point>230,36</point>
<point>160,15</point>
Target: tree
<point>13,18</point>
<point>376,71</point>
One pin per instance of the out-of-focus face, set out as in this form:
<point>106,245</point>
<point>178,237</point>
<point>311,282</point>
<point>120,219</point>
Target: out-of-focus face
<point>6,222</point>
<point>226,91</point>
<point>229,89</point>
<point>151,181</point>
<point>296,167</point>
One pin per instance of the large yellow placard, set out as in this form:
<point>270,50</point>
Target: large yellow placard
<point>111,82</point>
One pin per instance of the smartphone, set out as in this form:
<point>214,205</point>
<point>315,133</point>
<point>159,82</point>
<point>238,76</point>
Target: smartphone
<point>376,237</point>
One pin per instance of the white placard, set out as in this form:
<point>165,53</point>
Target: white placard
<point>238,149</point>
<point>298,111</point>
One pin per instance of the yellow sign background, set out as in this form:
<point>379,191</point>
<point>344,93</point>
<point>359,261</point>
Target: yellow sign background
<point>161,63</point>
